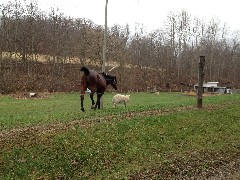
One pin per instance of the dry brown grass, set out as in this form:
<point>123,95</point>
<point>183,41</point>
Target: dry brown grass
<point>204,94</point>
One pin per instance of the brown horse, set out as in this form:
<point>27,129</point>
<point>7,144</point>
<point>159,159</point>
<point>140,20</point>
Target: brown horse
<point>96,82</point>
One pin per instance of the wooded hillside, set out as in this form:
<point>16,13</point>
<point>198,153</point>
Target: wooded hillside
<point>42,51</point>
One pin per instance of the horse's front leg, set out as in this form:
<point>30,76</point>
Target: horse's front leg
<point>91,96</point>
<point>99,95</point>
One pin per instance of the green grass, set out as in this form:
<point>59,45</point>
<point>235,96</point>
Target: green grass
<point>66,107</point>
<point>117,149</point>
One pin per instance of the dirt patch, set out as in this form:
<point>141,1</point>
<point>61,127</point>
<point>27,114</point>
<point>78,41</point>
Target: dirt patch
<point>203,165</point>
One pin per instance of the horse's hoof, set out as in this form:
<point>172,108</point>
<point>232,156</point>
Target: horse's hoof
<point>82,109</point>
<point>92,107</point>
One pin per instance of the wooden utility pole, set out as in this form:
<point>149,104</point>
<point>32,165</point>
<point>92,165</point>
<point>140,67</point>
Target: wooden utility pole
<point>200,81</point>
<point>105,39</point>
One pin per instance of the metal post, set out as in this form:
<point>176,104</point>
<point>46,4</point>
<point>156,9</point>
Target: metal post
<point>105,39</point>
<point>200,81</point>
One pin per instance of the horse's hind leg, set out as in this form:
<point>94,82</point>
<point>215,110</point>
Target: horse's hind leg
<point>82,98</point>
<point>91,96</point>
<point>99,95</point>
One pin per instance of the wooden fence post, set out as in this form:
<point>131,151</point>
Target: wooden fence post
<point>200,81</point>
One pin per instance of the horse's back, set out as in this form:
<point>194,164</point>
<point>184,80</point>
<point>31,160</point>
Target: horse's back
<point>95,81</point>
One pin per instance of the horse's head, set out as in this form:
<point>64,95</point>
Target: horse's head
<point>112,80</point>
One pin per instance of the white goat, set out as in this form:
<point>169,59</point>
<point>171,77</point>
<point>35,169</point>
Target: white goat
<point>119,98</point>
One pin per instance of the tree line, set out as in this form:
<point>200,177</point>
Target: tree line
<point>44,51</point>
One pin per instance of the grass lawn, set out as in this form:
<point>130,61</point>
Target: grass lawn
<point>135,142</point>
<point>66,107</point>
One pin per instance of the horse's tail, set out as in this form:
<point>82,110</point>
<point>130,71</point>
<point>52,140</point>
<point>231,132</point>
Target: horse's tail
<point>85,70</point>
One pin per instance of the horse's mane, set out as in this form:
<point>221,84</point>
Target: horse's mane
<point>107,76</point>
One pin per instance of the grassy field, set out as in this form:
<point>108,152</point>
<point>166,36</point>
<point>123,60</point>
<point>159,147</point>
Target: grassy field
<point>66,107</point>
<point>157,136</point>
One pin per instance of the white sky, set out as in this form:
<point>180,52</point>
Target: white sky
<point>150,13</point>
